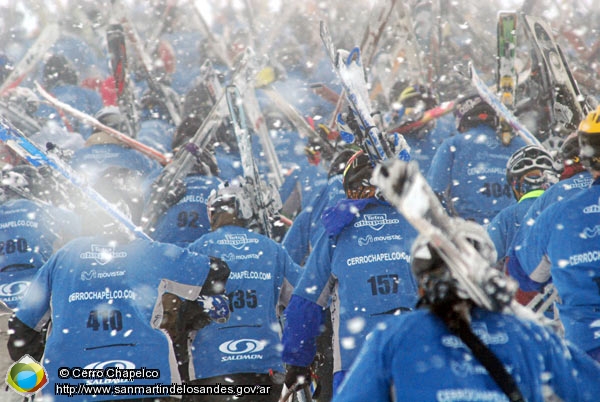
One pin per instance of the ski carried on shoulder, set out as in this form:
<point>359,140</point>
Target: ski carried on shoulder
<point>145,64</point>
<point>185,156</point>
<point>30,152</point>
<point>115,40</point>
<point>376,23</point>
<point>86,118</point>
<point>348,66</point>
<point>297,120</point>
<point>568,105</point>
<point>404,187</point>
<point>506,72</point>
<point>491,99</point>
<point>34,55</point>
<point>19,120</point>
<point>263,198</point>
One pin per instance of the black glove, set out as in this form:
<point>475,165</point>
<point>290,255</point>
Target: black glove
<point>295,375</point>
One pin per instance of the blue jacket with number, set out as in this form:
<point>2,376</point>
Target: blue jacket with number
<point>568,235</point>
<point>416,358</point>
<point>563,190</point>
<point>364,267</point>
<point>260,283</point>
<point>187,220</point>
<point>470,169</point>
<point>104,298</point>
<point>503,228</point>
<point>31,232</point>
<point>307,226</point>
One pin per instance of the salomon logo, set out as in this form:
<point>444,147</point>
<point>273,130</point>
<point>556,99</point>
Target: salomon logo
<point>240,346</point>
<point>13,289</point>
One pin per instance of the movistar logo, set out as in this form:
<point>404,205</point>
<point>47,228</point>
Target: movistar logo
<point>590,233</point>
<point>368,239</point>
<point>89,275</point>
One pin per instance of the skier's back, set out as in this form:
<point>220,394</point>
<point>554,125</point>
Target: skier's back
<point>423,355</point>
<point>244,350</point>
<point>468,169</point>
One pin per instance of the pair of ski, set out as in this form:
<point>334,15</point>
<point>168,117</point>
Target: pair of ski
<point>183,160</point>
<point>567,104</point>
<point>265,199</point>
<point>350,70</point>
<point>559,90</point>
<point>406,189</point>
<point>30,152</point>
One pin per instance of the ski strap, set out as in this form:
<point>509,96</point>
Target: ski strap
<point>459,326</point>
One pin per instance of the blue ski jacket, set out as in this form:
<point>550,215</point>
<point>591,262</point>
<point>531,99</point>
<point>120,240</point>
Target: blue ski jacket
<point>83,99</point>
<point>469,169</point>
<point>363,270</point>
<point>31,232</point>
<point>414,357</point>
<point>259,286</point>
<point>302,235</point>
<point>566,251</point>
<point>424,146</point>
<point>187,220</point>
<point>503,228</point>
<point>104,298</point>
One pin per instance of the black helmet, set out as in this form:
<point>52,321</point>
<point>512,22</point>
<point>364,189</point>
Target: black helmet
<point>530,168</point>
<point>205,161</point>
<point>339,162</point>
<point>59,71</point>
<point>198,101</point>
<point>569,150</point>
<point>472,111</point>
<point>154,107</point>
<point>357,177</point>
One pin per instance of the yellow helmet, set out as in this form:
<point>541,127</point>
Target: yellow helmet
<point>589,139</point>
<point>413,93</point>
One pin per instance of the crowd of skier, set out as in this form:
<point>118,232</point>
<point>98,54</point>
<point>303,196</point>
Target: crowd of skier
<point>273,266</point>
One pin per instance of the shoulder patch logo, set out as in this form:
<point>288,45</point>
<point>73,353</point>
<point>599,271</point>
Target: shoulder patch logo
<point>102,254</point>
